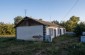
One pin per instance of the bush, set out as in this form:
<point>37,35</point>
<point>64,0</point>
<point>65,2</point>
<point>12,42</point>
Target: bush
<point>79,29</point>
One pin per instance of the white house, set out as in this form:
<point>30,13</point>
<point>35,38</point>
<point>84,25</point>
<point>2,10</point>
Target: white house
<point>37,30</point>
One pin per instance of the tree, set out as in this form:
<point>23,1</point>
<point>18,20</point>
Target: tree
<point>17,19</point>
<point>6,29</point>
<point>63,23</point>
<point>55,21</point>
<point>80,28</point>
<point>1,26</point>
<point>71,23</point>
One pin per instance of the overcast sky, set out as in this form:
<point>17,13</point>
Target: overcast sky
<point>49,10</point>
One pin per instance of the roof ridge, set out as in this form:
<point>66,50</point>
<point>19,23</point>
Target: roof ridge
<point>40,21</point>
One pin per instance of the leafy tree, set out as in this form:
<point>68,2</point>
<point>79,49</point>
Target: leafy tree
<point>71,23</point>
<point>55,21</point>
<point>74,19</point>
<point>80,28</point>
<point>6,29</point>
<point>17,19</point>
<point>63,23</point>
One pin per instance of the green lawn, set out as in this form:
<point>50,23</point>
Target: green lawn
<point>63,45</point>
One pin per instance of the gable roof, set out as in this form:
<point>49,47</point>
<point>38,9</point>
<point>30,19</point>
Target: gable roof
<point>39,21</point>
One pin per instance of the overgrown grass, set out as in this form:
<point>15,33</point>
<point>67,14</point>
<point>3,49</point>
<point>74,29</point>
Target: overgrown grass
<point>64,38</point>
<point>11,46</point>
<point>63,45</point>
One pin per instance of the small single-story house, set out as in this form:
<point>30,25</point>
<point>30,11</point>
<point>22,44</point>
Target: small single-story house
<point>37,30</point>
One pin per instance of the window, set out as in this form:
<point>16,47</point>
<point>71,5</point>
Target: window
<point>59,31</point>
<point>55,32</point>
<point>51,31</point>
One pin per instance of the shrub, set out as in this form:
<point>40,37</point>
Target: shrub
<point>79,29</point>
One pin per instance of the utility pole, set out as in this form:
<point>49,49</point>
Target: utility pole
<point>25,12</point>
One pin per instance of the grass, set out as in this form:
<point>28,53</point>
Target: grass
<point>63,45</point>
<point>76,49</point>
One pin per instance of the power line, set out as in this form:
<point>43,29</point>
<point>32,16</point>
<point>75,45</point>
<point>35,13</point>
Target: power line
<point>71,8</point>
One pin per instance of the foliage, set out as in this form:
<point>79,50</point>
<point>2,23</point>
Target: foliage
<point>7,29</point>
<point>80,28</point>
<point>63,38</point>
<point>17,19</point>
<point>55,21</point>
<point>71,23</point>
<point>76,49</point>
<point>63,23</point>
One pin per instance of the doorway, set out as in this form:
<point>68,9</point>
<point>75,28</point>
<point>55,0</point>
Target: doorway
<point>54,32</point>
<point>60,31</point>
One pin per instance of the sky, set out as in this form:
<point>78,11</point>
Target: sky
<point>60,10</point>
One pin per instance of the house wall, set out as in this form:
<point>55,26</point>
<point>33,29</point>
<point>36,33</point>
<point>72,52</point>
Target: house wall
<point>57,32</point>
<point>50,37</point>
<point>27,32</point>
<point>48,31</point>
<point>62,31</point>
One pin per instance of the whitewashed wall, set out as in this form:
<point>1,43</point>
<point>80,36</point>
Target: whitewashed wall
<point>57,34</point>
<point>27,32</point>
<point>62,31</point>
<point>48,37</point>
<point>47,31</point>
<point>48,34</point>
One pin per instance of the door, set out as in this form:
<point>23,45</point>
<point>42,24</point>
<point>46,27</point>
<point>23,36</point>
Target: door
<point>54,32</point>
<point>60,31</point>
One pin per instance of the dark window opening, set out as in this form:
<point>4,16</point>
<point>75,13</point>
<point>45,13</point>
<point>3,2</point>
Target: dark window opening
<point>51,31</point>
<point>54,32</point>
